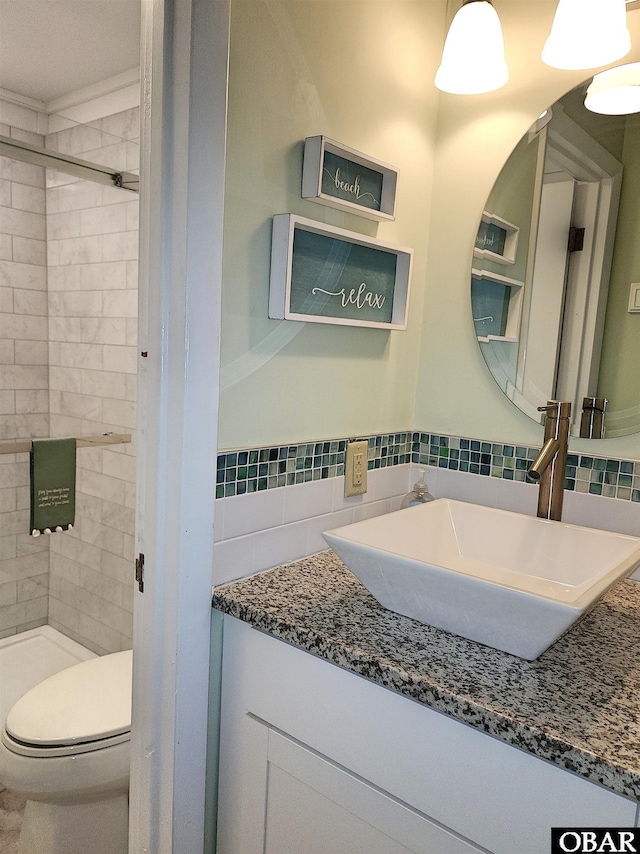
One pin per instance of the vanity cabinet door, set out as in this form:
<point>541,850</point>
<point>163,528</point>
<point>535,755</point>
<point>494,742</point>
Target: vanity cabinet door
<point>313,807</point>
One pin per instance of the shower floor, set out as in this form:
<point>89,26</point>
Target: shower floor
<point>25,660</point>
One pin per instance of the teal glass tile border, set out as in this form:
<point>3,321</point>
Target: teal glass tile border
<point>256,469</point>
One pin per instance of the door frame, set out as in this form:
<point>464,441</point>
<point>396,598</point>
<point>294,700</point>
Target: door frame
<point>185,49</point>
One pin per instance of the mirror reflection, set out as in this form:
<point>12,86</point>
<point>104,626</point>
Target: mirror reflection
<point>554,285</point>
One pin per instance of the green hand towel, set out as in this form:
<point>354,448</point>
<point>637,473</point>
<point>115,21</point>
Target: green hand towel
<point>53,484</point>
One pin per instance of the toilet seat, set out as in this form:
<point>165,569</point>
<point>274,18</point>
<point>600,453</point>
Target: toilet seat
<point>82,709</point>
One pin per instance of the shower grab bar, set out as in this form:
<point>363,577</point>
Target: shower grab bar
<point>24,446</point>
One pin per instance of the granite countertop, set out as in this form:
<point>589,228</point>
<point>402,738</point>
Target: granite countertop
<point>578,705</point>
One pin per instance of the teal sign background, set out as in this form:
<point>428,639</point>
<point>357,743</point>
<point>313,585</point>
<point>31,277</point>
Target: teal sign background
<point>491,237</point>
<point>490,305</point>
<point>346,180</point>
<point>331,277</point>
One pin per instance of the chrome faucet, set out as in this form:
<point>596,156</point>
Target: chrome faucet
<point>548,468</point>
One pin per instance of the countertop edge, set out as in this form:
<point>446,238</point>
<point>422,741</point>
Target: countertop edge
<point>526,737</point>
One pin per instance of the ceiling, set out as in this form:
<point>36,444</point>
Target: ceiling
<point>49,48</point>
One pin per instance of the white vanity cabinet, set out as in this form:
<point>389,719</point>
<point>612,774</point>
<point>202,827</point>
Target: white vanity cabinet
<point>317,760</point>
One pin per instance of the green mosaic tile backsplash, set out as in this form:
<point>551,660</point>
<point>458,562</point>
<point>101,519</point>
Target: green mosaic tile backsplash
<point>256,469</point>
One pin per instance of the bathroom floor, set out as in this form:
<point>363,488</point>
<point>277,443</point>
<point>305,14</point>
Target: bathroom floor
<point>11,810</point>
<point>26,660</point>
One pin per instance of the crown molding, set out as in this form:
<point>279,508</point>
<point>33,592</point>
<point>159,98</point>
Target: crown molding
<point>97,90</point>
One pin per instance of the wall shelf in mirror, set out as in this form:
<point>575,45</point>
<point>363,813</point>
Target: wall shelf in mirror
<point>497,239</point>
<point>497,305</point>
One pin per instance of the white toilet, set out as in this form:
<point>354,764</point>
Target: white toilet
<point>65,747</point>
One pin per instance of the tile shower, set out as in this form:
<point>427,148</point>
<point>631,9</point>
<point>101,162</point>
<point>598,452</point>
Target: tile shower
<point>68,291</point>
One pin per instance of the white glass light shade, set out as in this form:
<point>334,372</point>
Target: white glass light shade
<point>473,55</point>
<point>615,92</point>
<point>586,34</point>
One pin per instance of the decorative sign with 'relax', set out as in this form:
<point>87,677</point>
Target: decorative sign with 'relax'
<point>328,275</point>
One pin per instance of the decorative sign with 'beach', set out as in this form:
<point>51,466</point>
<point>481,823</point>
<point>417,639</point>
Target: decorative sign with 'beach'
<point>328,275</point>
<point>497,239</point>
<point>341,177</point>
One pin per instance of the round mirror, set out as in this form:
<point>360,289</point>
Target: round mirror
<point>555,284</point>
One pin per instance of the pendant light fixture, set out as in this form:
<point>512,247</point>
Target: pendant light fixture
<point>615,92</point>
<point>586,34</point>
<point>473,55</point>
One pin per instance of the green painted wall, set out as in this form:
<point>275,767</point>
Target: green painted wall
<point>359,73</point>
<point>620,362</point>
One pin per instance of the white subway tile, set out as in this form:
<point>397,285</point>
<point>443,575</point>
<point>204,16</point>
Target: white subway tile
<point>8,593</point>
<point>65,379</point>
<point>29,251</point>
<point>67,329</point>
<point>102,384</point>
<point>81,250</point>
<point>22,223</point>
<point>8,500</point>
<point>17,275</point>
<point>119,465</point>
<point>304,500</point>
<point>6,247</point>
<point>109,330</point>
<point>376,508</point>
<point>340,502</point>
<point>23,326</point>
<point>245,514</point>
<point>109,276</point>
<point>76,304</point>
<point>122,246</point>
<point>23,376</point>
<point>101,486</point>
<point>7,402</point>
<point>64,278</point>
<point>31,352</point>
<point>279,545</point>
<point>25,173</point>
<point>30,302</point>
<point>122,303</point>
<point>120,359</point>
<point>26,198</point>
<point>389,481</point>
<point>315,527</point>
<point>233,559</point>
<point>80,356</point>
<point>5,193</point>
<point>103,220</point>
<point>63,225</point>
<point>120,413</point>
<point>32,401</point>
<point>6,300</point>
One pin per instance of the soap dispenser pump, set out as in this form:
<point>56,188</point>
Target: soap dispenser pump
<point>419,494</point>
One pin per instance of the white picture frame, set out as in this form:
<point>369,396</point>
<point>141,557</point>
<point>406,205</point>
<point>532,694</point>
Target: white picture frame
<point>365,186</point>
<point>323,274</point>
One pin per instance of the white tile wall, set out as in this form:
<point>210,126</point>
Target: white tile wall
<point>24,398</point>
<point>92,306</point>
<point>257,531</point>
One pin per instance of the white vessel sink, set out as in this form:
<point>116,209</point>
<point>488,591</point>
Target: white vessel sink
<point>510,581</point>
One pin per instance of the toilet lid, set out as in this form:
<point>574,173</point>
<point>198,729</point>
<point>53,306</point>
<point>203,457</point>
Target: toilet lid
<point>84,703</point>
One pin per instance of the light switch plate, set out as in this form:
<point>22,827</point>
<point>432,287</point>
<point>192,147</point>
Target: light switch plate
<point>355,469</point>
<point>634,297</point>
